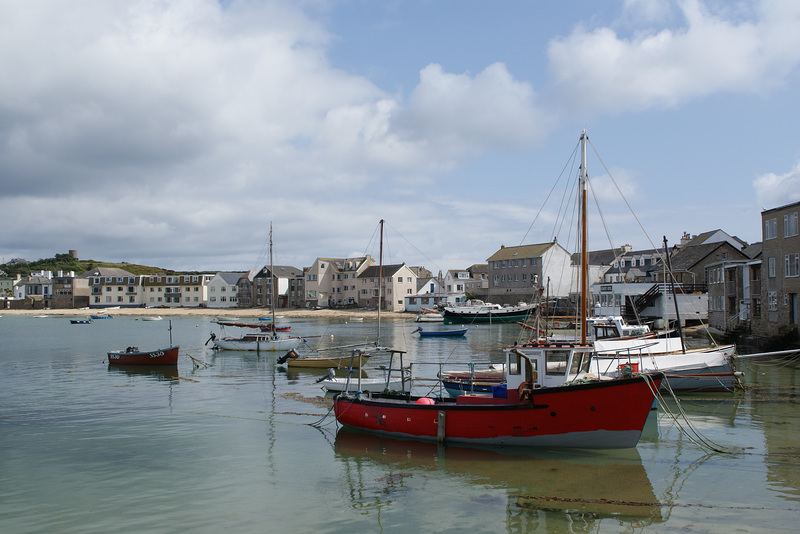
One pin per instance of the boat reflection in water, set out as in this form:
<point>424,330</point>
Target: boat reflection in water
<point>159,372</point>
<point>545,488</point>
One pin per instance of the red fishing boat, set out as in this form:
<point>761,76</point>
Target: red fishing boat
<point>584,413</point>
<point>134,356</point>
<point>537,407</point>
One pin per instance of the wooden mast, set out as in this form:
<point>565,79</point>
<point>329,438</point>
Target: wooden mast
<point>584,176</point>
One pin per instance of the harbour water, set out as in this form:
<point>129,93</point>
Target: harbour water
<point>245,446</point>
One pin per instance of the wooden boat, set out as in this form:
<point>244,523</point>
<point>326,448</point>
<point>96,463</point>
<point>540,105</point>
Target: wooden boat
<point>582,413</point>
<point>293,359</point>
<point>152,318</point>
<point>134,356</point>
<point>80,321</point>
<point>440,333</point>
<point>101,316</point>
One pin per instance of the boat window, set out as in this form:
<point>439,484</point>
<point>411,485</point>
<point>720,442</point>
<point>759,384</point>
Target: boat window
<point>514,367</point>
<point>556,362</point>
<point>580,363</point>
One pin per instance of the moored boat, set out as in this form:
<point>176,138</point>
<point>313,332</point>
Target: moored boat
<point>440,333</point>
<point>486,312</point>
<point>583,414</point>
<point>256,342</point>
<point>134,356</point>
<point>293,359</point>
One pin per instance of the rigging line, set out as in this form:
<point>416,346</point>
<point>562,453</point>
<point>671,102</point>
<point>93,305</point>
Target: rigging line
<point>611,242</point>
<point>571,160</point>
<point>414,246</point>
<point>616,186</point>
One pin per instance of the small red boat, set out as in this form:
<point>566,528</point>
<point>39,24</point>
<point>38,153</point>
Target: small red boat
<point>134,356</point>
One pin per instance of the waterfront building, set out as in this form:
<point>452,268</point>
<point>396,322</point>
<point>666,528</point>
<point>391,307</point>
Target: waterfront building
<point>516,274</point>
<point>110,286</point>
<point>223,290</point>
<point>396,283</point>
<point>331,282</point>
<point>780,270</point>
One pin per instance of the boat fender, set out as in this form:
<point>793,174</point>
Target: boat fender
<point>425,400</point>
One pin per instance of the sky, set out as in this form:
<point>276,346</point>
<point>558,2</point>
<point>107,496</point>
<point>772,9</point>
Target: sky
<point>174,133</point>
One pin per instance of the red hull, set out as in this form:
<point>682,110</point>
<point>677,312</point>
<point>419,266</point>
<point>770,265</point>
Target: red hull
<point>595,415</point>
<point>154,357</point>
<point>271,328</point>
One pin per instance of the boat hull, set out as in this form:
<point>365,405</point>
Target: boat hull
<point>376,385</point>
<point>443,333</point>
<point>258,344</point>
<point>324,363</point>
<point>168,356</point>
<point>484,315</point>
<point>696,370</point>
<point>607,414</point>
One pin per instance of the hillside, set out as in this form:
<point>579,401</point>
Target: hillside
<point>66,263</point>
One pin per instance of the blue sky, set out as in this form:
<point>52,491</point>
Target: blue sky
<point>172,133</point>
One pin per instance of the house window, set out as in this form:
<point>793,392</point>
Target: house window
<point>771,267</point>
<point>790,225</point>
<point>792,265</point>
<point>772,301</point>
<point>770,229</point>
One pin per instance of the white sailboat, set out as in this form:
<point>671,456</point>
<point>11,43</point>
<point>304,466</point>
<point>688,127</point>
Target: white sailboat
<point>260,341</point>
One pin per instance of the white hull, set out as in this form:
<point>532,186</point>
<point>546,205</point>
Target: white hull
<point>374,385</point>
<point>697,369</point>
<point>280,344</point>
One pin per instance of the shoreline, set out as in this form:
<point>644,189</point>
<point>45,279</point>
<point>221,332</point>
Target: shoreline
<point>217,312</point>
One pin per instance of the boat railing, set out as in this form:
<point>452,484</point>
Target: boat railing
<point>448,369</point>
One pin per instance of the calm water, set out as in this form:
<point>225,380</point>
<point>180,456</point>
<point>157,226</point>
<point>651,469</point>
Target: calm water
<point>85,448</point>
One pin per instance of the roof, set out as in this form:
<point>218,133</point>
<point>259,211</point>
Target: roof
<point>522,251</point>
<point>373,271</point>
<point>281,271</point>
<point>687,257</point>
<point>106,272</point>
<point>785,206</point>
<point>753,251</point>
<point>599,257</point>
<point>701,239</point>
<point>231,278</point>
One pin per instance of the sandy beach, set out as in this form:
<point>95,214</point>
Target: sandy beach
<point>220,312</point>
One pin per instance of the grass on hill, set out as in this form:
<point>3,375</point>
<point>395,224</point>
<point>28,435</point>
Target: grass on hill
<point>66,263</point>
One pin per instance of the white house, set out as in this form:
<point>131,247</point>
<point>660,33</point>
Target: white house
<point>223,291</point>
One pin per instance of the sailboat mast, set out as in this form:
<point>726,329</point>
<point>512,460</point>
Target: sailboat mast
<point>272,282</point>
<point>380,283</point>
<point>584,176</point>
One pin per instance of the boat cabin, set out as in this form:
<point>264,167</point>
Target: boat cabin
<point>532,367</point>
<point>612,327</point>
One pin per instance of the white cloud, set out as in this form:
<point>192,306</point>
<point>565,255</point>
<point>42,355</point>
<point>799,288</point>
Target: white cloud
<point>179,129</point>
<point>602,71</point>
<point>774,190</point>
